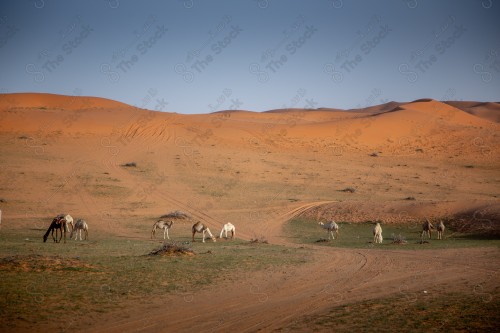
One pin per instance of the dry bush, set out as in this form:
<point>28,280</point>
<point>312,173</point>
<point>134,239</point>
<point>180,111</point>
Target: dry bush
<point>172,249</point>
<point>349,189</point>
<point>176,215</point>
<point>398,239</point>
<point>322,240</point>
<point>259,239</point>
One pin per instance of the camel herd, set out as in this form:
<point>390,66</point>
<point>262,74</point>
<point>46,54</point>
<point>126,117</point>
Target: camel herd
<point>427,228</point>
<point>62,222</point>
<point>198,227</point>
<point>333,229</point>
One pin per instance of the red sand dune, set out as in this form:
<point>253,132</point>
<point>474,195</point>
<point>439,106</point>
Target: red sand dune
<point>53,101</point>
<point>486,110</point>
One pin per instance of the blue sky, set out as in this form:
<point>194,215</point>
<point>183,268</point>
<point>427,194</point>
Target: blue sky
<point>201,56</point>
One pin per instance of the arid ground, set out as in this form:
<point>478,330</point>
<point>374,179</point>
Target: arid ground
<point>274,175</point>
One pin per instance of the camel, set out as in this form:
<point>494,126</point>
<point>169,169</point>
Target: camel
<point>58,223</point>
<point>69,220</point>
<point>161,224</point>
<point>440,229</point>
<point>200,227</point>
<point>427,228</point>
<point>377,234</point>
<point>228,227</point>
<point>79,226</point>
<point>330,228</point>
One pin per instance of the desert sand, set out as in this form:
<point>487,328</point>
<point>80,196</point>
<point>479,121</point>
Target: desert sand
<point>258,170</point>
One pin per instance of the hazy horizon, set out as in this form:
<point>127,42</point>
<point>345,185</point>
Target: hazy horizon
<point>258,55</point>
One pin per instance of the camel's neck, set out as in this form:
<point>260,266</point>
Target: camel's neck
<point>48,231</point>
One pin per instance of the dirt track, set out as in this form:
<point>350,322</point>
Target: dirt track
<point>273,299</point>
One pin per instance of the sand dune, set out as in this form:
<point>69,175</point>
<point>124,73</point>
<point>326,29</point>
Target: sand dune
<point>53,101</point>
<point>271,152</point>
<point>486,110</point>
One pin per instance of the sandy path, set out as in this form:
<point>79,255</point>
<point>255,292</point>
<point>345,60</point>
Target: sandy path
<point>274,298</point>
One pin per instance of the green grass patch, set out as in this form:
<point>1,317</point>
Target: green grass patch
<point>100,274</point>
<point>443,313</point>
<point>360,235</point>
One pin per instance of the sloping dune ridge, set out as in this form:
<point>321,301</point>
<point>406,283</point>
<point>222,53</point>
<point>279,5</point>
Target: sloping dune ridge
<point>315,152</point>
<point>121,167</point>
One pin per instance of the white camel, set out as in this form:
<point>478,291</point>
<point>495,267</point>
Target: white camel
<point>228,227</point>
<point>427,228</point>
<point>200,227</point>
<point>79,226</point>
<point>377,234</point>
<point>440,229</point>
<point>69,221</point>
<point>330,228</point>
<point>161,224</point>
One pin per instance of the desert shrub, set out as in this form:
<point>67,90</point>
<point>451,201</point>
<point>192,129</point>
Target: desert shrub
<point>176,215</point>
<point>349,189</point>
<point>259,239</point>
<point>398,239</point>
<point>172,249</point>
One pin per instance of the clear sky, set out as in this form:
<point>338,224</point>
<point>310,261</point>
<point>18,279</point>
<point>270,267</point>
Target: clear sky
<point>199,56</point>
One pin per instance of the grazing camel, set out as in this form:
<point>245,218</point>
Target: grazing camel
<point>440,229</point>
<point>330,228</point>
<point>160,224</point>
<point>58,223</point>
<point>200,227</point>
<point>69,220</point>
<point>427,228</point>
<point>377,234</point>
<point>79,226</point>
<point>228,227</point>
